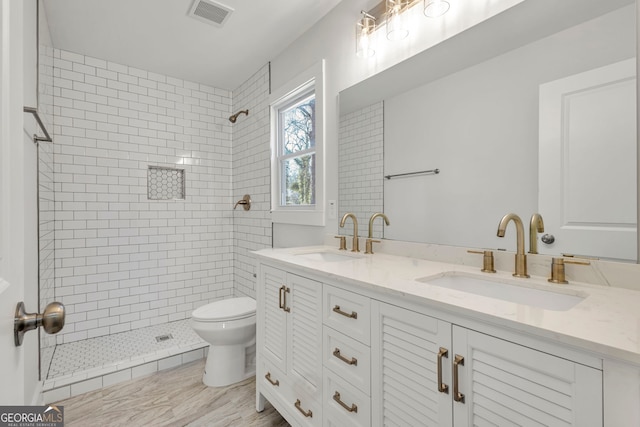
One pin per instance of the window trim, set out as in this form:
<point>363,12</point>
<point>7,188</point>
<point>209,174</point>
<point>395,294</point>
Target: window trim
<point>312,78</point>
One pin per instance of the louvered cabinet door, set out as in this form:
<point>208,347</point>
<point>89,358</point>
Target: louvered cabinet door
<point>305,326</point>
<point>404,368</point>
<point>273,328</point>
<point>506,384</point>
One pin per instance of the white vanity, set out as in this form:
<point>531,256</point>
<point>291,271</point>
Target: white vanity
<point>349,339</point>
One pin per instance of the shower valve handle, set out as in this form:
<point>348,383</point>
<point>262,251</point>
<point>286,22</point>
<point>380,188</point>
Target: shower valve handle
<point>245,202</point>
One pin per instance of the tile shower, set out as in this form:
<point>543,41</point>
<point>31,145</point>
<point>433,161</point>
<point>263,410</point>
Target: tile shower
<point>127,267</point>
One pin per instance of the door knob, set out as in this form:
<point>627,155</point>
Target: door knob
<point>51,319</point>
<point>548,239</point>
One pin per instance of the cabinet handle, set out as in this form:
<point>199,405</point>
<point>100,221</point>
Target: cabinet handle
<point>353,314</point>
<point>457,361</point>
<point>285,308</point>
<point>352,408</point>
<point>268,377</point>
<point>352,361</point>
<point>442,387</point>
<point>307,414</point>
<point>280,304</point>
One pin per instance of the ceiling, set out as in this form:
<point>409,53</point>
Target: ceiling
<point>158,36</point>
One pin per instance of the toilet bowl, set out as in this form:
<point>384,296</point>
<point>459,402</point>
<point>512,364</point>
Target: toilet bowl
<point>229,326</point>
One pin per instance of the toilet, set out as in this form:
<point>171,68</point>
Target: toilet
<point>229,326</point>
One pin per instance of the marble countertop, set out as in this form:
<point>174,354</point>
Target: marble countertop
<point>606,321</point>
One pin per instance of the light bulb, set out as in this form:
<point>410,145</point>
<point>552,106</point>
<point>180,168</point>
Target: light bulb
<point>435,8</point>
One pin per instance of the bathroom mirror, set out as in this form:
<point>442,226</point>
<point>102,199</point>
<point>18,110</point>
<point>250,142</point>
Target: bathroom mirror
<point>530,111</point>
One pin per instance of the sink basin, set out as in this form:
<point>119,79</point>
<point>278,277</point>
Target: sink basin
<point>326,256</point>
<point>492,288</point>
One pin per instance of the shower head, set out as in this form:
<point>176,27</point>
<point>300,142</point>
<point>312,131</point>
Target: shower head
<point>233,118</point>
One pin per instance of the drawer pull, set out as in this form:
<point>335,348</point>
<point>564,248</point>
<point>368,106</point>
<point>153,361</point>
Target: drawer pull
<point>353,314</point>
<point>307,414</point>
<point>280,303</point>
<point>268,377</point>
<point>352,361</point>
<point>285,308</point>
<point>282,298</point>
<point>352,408</point>
<point>442,387</point>
<point>457,361</point>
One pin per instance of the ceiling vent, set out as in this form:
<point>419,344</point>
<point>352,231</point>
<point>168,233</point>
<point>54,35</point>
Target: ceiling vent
<point>211,12</point>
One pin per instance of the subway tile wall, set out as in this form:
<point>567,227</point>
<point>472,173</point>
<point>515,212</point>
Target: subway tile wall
<point>361,167</point>
<point>251,175</point>
<point>46,200</point>
<point>122,261</point>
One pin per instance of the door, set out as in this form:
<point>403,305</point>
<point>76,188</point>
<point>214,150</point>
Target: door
<point>508,384</point>
<point>18,211</point>
<point>274,326</point>
<point>305,332</point>
<point>587,166</point>
<point>405,390</point>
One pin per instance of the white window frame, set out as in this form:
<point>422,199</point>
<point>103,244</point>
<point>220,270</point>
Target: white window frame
<point>311,79</point>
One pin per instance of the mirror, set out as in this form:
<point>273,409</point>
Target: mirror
<point>484,107</point>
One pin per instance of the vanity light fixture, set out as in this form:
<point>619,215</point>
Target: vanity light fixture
<point>435,8</point>
<point>364,36</point>
<point>397,25</point>
<point>395,16</point>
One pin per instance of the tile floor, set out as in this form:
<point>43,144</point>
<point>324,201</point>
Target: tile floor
<point>175,397</point>
<point>80,366</point>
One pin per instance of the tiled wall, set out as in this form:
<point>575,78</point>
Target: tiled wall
<point>361,167</point>
<point>46,200</point>
<point>123,261</point>
<point>251,175</point>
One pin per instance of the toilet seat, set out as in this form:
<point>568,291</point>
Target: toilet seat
<point>226,310</point>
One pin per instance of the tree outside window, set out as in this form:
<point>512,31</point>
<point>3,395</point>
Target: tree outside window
<point>297,157</point>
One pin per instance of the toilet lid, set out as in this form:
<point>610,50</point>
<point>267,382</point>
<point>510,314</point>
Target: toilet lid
<point>226,309</point>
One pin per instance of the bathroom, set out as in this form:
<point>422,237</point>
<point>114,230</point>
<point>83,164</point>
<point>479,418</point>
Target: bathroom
<point>122,263</point>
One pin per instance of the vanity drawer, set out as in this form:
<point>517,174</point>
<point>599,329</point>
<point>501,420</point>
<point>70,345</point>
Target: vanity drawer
<point>348,358</point>
<point>271,379</point>
<point>344,405</point>
<point>347,313</point>
<point>306,409</point>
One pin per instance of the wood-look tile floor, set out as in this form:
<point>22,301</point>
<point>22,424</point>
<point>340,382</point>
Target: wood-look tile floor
<point>175,397</point>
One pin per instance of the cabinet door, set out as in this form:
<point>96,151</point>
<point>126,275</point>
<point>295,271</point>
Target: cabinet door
<point>506,384</point>
<point>305,326</point>
<point>404,368</point>
<point>273,327</point>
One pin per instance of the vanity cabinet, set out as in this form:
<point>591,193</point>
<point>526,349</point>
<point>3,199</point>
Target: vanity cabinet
<point>289,340</point>
<point>337,355</point>
<point>433,373</point>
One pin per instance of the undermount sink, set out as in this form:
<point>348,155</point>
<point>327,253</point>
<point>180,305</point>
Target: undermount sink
<point>495,288</point>
<point>326,256</point>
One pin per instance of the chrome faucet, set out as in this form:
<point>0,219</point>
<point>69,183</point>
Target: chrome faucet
<point>355,247</point>
<point>369,242</point>
<point>536,226</point>
<point>521,258</point>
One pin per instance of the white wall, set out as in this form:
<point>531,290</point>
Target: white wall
<point>333,38</point>
<point>123,261</point>
<point>480,127</point>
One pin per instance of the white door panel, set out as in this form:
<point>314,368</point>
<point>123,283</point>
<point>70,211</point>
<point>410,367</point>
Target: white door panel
<point>587,162</point>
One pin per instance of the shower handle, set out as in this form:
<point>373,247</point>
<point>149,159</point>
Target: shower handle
<point>245,202</point>
<point>51,319</point>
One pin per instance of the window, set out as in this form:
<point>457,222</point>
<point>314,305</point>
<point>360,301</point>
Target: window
<point>296,146</point>
<point>297,152</point>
